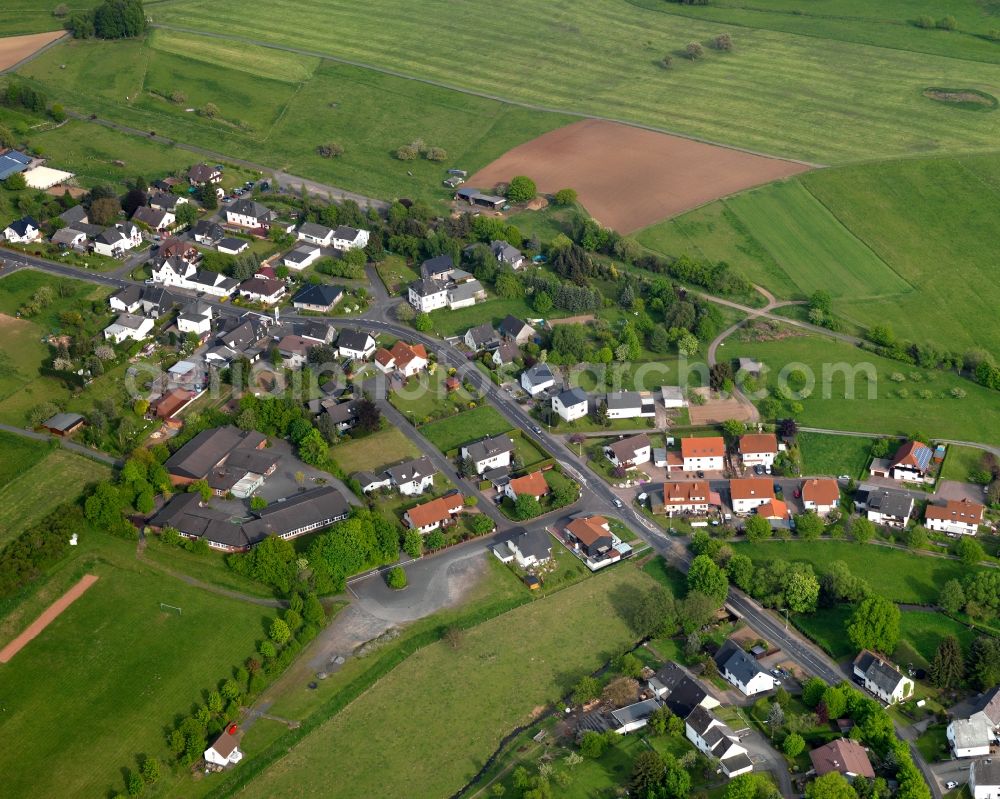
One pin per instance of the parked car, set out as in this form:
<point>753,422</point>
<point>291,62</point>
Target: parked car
<point>797,493</point>
<point>758,469</point>
<point>951,784</point>
<point>618,503</point>
<point>701,474</point>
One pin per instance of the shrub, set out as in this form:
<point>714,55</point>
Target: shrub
<point>567,196</point>
<point>694,51</point>
<point>407,153</point>
<point>330,150</point>
<point>723,42</point>
<point>436,154</point>
<point>946,23</point>
<point>521,189</point>
<point>925,21</point>
<point>396,578</point>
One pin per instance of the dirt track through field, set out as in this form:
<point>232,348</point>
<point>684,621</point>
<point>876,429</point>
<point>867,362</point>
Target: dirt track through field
<point>16,48</point>
<point>628,177</point>
<point>50,614</point>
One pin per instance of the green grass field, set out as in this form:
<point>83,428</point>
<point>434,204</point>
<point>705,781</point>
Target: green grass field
<point>19,456</point>
<point>32,16</point>
<point>898,575</point>
<point>976,417</point>
<point>101,682</point>
<point>872,235</point>
<point>384,743</point>
<point>833,455</point>
<point>371,452</point>
<point>58,476</point>
<point>604,58</point>
<point>889,23</point>
<point>462,428</point>
<point>276,108</point>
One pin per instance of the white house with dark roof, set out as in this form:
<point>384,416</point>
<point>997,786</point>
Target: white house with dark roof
<point>302,256</point>
<point>571,404</point>
<point>715,739</point>
<point>881,678</point>
<point>319,297</point>
<point>629,452</point>
<point>249,213</point>
<point>984,779</point>
<point>481,337</point>
<point>69,237</point>
<point>225,750</point>
<point>154,218</point>
<point>266,290</point>
<point>349,238</point>
<point>356,344</point>
<point>491,452</point>
<point>506,253</point>
<point>412,477</point>
<point>128,326</point>
<point>527,548</point>
<point>630,405</point>
<point>742,670</point>
<point>196,317</point>
<point>23,231</point>
<point>516,330</point>
<point>313,233</point>
<point>537,379</point>
<point>885,506</point>
<point>230,245</point>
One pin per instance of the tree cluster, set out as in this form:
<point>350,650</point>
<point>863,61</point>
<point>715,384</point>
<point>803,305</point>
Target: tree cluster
<point>364,541</point>
<point>113,19</point>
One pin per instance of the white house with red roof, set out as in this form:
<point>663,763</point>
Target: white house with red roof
<point>821,495</point>
<point>749,493</point>
<point>910,463</point>
<point>955,517</point>
<point>405,359</point>
<point>758,449</point>
<point>689,497</point>
<point>703,454</point>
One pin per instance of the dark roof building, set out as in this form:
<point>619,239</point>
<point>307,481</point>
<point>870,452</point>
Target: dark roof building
<point>302,513</point>
<point>680,693</point>
<point>209,450</point>
<point>318,295</point>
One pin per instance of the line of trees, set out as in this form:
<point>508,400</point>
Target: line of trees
<point>28,556</point>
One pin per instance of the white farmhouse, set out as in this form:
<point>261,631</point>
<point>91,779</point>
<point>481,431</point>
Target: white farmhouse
<point>128,326</point>
<point>488,453</point>
<point>742,670</point>
<point>571,404</point>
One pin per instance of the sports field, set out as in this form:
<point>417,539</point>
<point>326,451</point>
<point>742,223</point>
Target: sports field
<point>101,682</point>
<point>874,236</point>
<point>277,108</point>
<point>388,742</point>
<point>974,417</point>
<point>604,58</point>
<point>628,178</point>
<point>58,476</point>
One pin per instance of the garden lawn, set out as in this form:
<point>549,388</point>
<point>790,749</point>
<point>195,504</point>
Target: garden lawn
<point>387,742</point>
<point>452,433</point>
<point>960,462</point>
<point>374,451</point>
<point>826,627</point>
<point>59,476</point>
<point>424,397</point>
<point>974,417</point>
<point>923,630</point>
<point>526,451</point>
<point>277,108</point>
<point>395,274</point>
<point>606,59</point>
<point>824,454</point>
<point>103,680</point>
<point>670,578</point>
<point>899,575</point>
<point>454,323</point>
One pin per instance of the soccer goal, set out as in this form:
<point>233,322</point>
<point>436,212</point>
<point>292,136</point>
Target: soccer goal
<point>170,608</point>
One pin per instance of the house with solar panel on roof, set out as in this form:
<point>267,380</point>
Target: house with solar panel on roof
<point>911,463</point>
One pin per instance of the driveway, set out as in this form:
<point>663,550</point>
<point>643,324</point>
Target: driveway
<point>952,489</point>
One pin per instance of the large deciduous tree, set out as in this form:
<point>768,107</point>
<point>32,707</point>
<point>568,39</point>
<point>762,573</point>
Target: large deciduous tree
<point>874,625</point>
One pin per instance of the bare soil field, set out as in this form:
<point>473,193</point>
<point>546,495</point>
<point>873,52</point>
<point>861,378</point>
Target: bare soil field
<point>16,48</point>
<point>716,411</point>
<point>628,178</point>
<point>51,612</point>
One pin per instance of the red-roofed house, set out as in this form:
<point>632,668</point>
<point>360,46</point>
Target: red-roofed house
<point>703,454</point>
<point>532,485</point>
<point>911,462</point>
<point>758,449</point>
<point>749,493</point>
<point>956,517</point>
<point>592,534</point>
<point>437,513</point>
<point>406,359</point>
<point>821,496</point>
<point>693,497</point>
<point>774,509</point>
<point>843,756</point>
